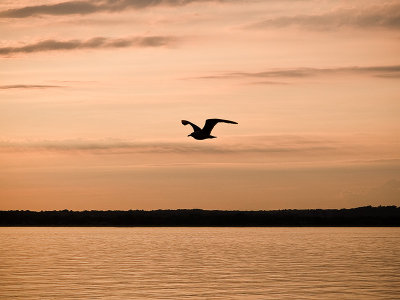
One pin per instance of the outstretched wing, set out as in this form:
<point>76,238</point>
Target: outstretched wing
<point>195,127</point>
<point>210,123</point>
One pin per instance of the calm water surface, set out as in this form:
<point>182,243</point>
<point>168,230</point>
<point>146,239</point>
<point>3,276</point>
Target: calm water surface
<point>200,263</point>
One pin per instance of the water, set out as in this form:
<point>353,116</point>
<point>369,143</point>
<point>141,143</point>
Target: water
<point>200,263</point>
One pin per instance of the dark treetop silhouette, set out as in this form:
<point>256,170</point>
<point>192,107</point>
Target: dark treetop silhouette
<point>205,133</point>
<point>360,216</point>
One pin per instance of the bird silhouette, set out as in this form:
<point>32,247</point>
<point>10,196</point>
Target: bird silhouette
<point>205,132</point>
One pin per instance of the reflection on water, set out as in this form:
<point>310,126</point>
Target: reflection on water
<point>212,263</point>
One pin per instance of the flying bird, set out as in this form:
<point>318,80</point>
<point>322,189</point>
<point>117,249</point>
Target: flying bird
<point>205,132</point>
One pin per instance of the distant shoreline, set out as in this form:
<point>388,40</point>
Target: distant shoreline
<point>367,216</point>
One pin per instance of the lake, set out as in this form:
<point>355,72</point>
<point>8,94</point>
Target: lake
<point>199,263</point>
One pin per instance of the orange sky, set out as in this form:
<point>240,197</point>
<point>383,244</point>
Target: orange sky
<point>92,94</point>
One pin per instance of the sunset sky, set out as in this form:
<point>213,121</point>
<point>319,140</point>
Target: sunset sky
<point>92,93</point>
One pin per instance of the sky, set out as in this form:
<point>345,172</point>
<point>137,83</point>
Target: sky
<point>92,94</point>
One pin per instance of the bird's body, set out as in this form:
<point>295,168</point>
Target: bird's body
<point>198,135</point>
<point>205,132</point>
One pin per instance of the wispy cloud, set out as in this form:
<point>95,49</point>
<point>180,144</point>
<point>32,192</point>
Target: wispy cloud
<point>268,82</point>
<point>386,15</point>
<point>93,43</point>
<point>280,150</point>
<point>64,8</point>
<point>378,71</point>
<point>273,144</point>
<point>89,7</point>
<point>28,86</point>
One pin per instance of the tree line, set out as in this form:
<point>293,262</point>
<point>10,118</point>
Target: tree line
<point>360,216</point>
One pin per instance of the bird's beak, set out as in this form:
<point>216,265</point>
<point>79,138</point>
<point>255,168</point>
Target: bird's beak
<point>189,135</point>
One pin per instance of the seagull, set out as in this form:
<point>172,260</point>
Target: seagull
<point>205,133</point>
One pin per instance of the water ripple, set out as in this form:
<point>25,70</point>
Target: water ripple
<point>199,263</point>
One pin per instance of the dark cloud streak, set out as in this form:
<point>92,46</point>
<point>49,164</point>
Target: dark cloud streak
<point>28,86</point>
<point>94,43</point>
<point>378,71</point>
<point>64,8</point>
<point>123,147</point>
<point>387,16</point>
<point>89,7</point>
